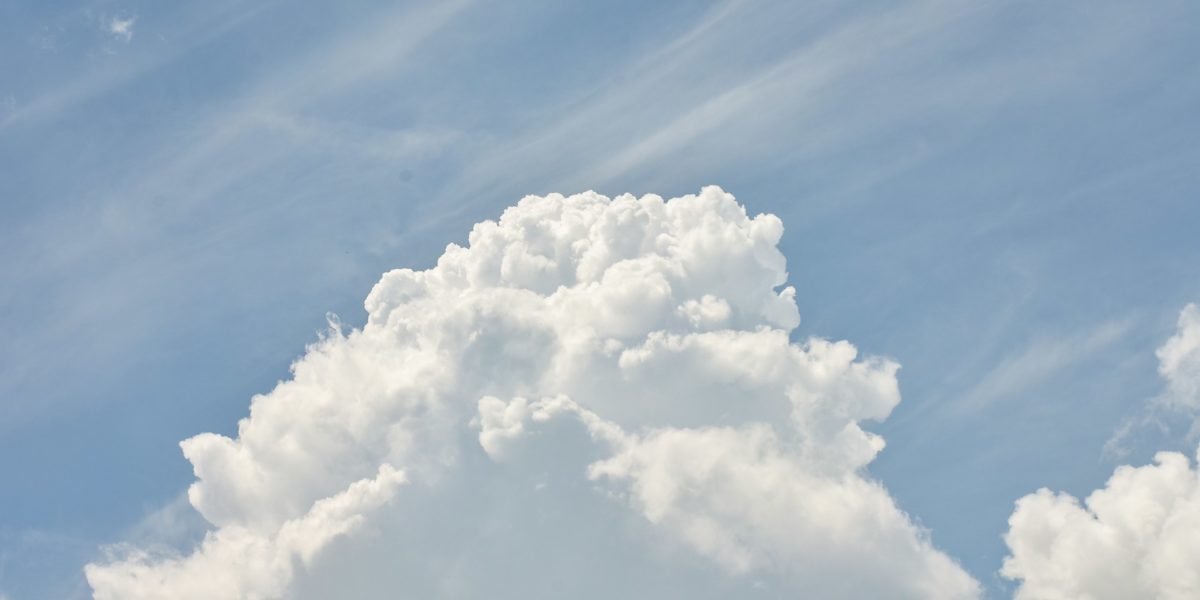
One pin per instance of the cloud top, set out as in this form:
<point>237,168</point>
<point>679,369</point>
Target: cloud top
<point>630,355</point>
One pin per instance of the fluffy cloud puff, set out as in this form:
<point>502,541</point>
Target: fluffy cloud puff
<point>1139,536</point>
<point>238,562</point>
<point>751,500</point>
<point>591,387</point>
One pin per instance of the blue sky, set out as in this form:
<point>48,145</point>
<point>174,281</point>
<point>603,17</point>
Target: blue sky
<point>999,196</point>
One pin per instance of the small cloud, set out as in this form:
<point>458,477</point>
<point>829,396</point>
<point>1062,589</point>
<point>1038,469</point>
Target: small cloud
<point>121,28</point>
<point>1136,536</point>
<point>1133,538</point>
<point>1179,364</point>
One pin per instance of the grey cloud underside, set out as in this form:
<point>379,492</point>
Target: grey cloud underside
<point>594,397</point>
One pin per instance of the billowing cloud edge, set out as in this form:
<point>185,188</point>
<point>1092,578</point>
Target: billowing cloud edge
<point>658,325</point>
<point>1136,537</point>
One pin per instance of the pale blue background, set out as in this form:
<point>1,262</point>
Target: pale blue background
<point>1000,195</point>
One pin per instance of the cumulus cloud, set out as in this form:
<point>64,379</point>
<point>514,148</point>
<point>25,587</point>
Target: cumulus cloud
<point>751,500</point>
<point>1139,536</point>
<point>593,396</point>
<point>241,562</point>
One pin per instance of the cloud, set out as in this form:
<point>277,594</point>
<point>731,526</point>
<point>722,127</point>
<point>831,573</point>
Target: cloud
<point>241,562</point>
<point>1179,403</point>
<point>752,500</point>
<point>1179,364</point>
<point>589,387</point>
<point>1136,537</point>
<point>121,28</point>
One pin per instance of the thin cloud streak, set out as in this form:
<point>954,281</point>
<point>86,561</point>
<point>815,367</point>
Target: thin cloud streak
<point>1039,361</point>
<point>103,81</point>
<point>215,155</point>
<point>800,88</point>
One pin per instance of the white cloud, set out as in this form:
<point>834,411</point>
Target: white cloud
<point>121,28</point>
<point>591,387</point>
<point>752,500</point>
<point>1179,366</point>
<point>1139,535</point>
<point>1179,363</point>
<point>241,562</point>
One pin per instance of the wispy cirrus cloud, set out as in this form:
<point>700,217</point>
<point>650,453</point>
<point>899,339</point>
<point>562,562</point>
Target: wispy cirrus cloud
<point>1034,364</point>
<point>247,135</point>
<point>194,31</point>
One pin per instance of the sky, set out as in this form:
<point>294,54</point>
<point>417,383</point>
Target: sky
<point>992,204</point>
